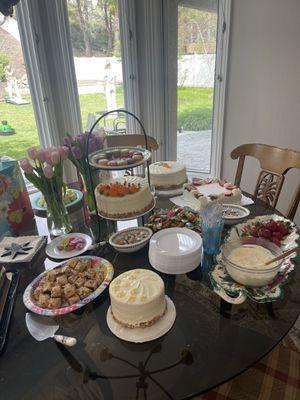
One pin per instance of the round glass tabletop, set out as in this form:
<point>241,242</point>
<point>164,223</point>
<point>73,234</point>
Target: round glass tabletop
<point>210,343</point>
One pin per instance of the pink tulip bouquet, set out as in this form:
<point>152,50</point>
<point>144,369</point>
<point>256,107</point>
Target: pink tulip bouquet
<point>77,148</point>
<point>44,169</point>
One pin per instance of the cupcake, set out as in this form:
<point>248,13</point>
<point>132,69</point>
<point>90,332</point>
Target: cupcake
<point>109,154</point>
<point>112,163</point>
<point>102,161</point>
<point>137,157</point>
<point>124,153</point>
<point>116,153</point>
<point>130,161</point>
<point>122,162</point>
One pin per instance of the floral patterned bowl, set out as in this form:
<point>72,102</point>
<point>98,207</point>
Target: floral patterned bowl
<point>236,293</point>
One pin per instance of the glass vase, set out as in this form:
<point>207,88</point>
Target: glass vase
<point>102,176</point>
<point>58,221</point>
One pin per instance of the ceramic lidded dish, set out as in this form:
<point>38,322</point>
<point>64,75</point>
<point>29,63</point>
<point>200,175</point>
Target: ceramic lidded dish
<point>130,240</point>
<point>251,271</point>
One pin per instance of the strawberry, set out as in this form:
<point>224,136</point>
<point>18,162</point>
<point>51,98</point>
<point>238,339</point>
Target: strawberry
<point>266,233</point>
<point>254,231</point>
<point>283,229</point>
<point>277,234</point>
<point>276,241</point>
<point>271,225</point>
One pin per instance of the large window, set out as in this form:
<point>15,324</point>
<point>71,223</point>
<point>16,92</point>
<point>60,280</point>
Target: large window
<point>17,122</point>
<point>95,37</point>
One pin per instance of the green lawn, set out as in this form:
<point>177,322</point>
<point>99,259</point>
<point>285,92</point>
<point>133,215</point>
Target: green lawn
<point>194,113</point>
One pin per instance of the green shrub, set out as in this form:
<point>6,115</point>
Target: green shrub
<point>4,61</point>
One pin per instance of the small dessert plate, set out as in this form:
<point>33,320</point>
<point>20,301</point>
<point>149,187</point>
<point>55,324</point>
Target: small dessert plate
<point>175,250</point>
<point>53,250</point>
<point>141,335</point>
<point>234,214</point>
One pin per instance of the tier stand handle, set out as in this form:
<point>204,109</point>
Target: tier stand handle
<point>98,237</point>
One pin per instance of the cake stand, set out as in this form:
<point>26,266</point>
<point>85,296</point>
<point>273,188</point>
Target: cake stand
<point>91,160</point>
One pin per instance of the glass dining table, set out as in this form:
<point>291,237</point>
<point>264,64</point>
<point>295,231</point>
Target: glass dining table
<point>210,342</point>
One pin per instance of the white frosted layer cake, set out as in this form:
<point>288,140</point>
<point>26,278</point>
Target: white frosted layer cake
<point>137,298</point>
<point>124,198</point>
<point>203,191</point>
<point>166,175</point>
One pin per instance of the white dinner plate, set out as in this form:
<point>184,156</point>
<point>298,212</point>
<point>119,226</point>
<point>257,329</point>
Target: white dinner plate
<point>53,251</point>
<point>175,250</point>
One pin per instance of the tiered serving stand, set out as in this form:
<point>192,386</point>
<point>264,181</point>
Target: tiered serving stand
<point>93,166</point>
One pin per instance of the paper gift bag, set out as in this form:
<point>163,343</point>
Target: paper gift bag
<point>15,208</point>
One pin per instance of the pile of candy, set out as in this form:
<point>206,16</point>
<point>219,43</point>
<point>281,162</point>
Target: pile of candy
<point>174,218</point>
<point>275,231</point>
<point>71,243</point>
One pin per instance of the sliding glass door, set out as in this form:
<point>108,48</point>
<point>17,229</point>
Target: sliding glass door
<point>200,87</point>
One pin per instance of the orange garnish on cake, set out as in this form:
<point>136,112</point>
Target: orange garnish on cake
<point>165,165</point>
<point>116,189</point>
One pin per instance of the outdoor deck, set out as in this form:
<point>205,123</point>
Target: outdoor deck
<point>193,149</point>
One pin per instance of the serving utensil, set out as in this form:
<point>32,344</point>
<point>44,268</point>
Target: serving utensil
<point>283,255</point>
<point>42,328</point>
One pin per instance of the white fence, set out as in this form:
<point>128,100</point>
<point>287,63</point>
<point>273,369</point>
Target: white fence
<point>193,70</point>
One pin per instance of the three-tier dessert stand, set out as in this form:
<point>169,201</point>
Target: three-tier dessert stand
<point>92,167</point>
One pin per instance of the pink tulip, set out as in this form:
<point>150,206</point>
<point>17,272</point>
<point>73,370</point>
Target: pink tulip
<point>40,155</point>
<point>48,153</point>
<point>26,166</point>
<point>64,152</point>
<point>55,157</point>
<point>48,171</point>
<point>32,152</point>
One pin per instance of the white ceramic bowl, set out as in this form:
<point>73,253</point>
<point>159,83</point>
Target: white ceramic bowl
<point>239,213</point>
<point>175,250</point>
<point>130,248</point>
<point>261,275</point>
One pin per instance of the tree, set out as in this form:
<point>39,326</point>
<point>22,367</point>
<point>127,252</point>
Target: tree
<point>83,23</point>
<point>94,27</point>
<point>108,8</point>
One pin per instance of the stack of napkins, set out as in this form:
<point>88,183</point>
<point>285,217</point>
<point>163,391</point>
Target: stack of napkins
<point>35,242</point>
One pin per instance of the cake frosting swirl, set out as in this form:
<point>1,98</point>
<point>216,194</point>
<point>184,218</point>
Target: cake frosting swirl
<point>137,298</point>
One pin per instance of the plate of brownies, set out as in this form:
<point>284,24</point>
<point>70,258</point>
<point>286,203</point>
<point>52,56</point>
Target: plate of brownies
<point>68,286</point>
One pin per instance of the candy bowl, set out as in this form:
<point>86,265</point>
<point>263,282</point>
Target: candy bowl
<point>245,261</point>
<point>234,214</point>
<point>130,240</point>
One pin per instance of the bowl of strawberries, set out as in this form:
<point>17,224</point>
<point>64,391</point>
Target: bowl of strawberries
<point>273,230</point>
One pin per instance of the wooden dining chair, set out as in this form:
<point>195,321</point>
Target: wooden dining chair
<point>131,140</point>
<point>274,163</point>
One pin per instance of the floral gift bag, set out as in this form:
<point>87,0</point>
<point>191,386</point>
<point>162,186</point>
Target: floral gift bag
<point>15,208</point>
